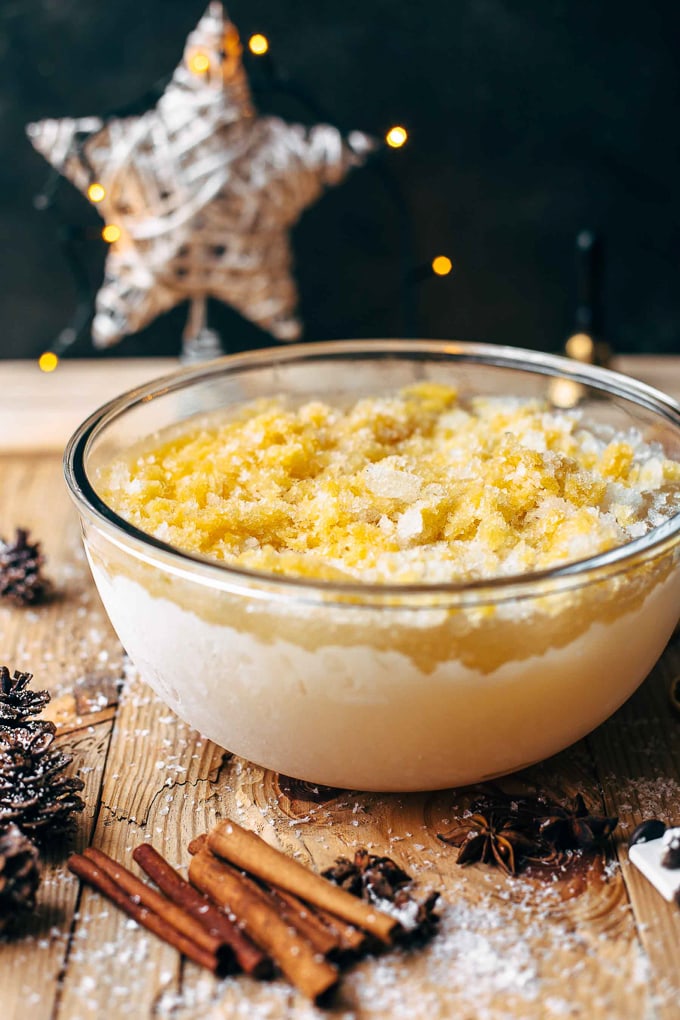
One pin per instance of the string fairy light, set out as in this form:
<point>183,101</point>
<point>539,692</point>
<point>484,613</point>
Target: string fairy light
<point>96,192</point>
<point>580,346</point>
<point>48,361</point>
<point>111,233</point>
<point>199,62</point>
<point>396,136</point>
<point>258,44</point>
<point>441,265</point>
<point>564,393</point>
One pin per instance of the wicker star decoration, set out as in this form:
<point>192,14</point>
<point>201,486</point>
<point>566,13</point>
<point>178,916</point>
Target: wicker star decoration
<point>199,193</point>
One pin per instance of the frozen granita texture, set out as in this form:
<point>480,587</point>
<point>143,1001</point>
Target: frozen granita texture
<point>417,487</point>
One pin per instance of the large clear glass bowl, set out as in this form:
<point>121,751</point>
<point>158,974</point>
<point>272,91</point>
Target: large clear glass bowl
<point>381,687</point>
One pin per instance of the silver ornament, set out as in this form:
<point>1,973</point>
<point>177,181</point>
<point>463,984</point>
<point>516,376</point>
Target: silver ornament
<point>199,193</point>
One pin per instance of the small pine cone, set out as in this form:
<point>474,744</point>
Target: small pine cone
<point>21,579</point>
<point>17,701</point>
<point>34,792</point>
<point>19,874</point>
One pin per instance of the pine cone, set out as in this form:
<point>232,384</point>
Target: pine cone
<point>21,580</point>
<point>17,701</point>
<point>19,874</point>
<point>34,792</point>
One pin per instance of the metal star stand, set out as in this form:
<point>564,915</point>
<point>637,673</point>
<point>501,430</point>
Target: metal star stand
<point>199,342</point>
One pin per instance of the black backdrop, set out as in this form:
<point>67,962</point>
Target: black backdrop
<point>529,120</point>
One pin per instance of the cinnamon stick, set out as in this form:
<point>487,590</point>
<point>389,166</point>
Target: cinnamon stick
<point>198,843</point>
<point>298,960</point>
<point>350,939</point>
<point>249,957</point>
<point>247,850</point>
<point>148,897</point>
<point>300,916</point>
<point>88,871</point>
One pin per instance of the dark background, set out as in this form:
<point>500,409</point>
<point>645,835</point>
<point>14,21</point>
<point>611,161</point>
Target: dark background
<point>529,121</point>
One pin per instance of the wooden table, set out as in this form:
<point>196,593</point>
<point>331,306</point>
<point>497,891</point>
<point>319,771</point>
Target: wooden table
<point>594,942</point>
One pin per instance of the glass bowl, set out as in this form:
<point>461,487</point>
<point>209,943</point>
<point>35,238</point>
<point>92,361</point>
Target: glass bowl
<point>381,687</point>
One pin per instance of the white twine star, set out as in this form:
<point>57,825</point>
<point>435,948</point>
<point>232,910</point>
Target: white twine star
<point>200,191</point>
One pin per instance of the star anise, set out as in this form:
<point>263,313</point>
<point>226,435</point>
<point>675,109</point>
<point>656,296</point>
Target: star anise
<point>490,838</point>
<point>368,875</point>
<point>573,827</point>
<point>511,831</point>
<point>381,881</point>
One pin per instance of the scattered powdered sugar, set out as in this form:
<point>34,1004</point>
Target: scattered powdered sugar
<point>488,961</point>
<point>406,914</point>
<point>476,945</point>
<point>658,797</point>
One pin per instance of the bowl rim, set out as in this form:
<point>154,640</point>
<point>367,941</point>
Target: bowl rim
<point>195,567</point>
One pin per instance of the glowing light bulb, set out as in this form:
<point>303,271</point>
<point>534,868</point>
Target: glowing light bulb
<point>199,63</point>
<point>48,361</point>
<point>96,192</point>
<point>396,137</point>
<point>580,346</point>
<point>111,233</point>
<point>442,265</point>
<point>565,392</point>
<point>258,44</point>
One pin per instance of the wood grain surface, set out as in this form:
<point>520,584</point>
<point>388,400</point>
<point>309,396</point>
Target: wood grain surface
<point>593,941</point>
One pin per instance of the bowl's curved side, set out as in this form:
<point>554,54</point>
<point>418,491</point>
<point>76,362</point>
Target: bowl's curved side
<point>388,700</point>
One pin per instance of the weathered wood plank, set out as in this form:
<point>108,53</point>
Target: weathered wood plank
<point>158,779</point>
<point>69,639</point>
<point>70,647</point>
<point>509,947</point>
<point>637,753</point>
<point>39,411</point>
